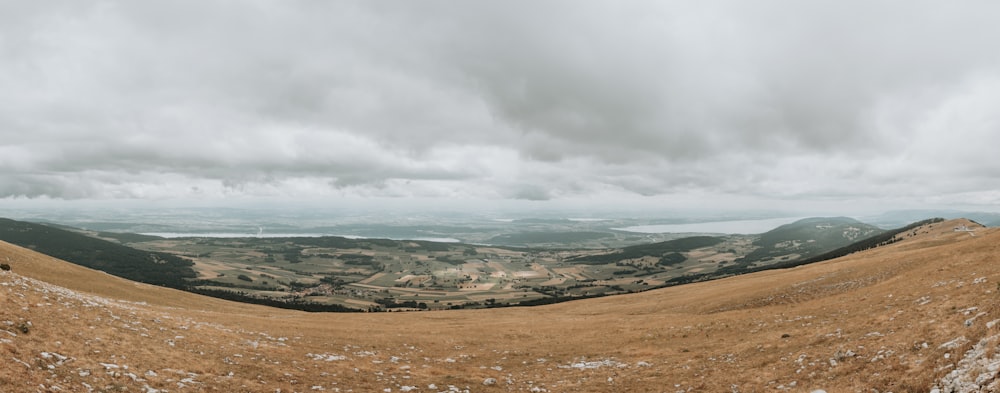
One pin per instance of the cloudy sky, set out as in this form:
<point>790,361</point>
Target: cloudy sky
<point>765,103</point>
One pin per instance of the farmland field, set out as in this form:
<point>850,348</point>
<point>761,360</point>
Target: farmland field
<point>332,273</point>
<point>378,274</point>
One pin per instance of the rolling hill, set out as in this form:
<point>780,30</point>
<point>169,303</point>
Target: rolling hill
<point>151,267</point>
<point>669,250</point>
<point>789,244</point>
<point>916,315</point>
<point>809,237</point>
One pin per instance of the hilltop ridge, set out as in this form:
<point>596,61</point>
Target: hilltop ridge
<point>909,316</point>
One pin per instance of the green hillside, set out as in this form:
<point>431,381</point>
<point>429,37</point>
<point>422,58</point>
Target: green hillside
<point>808,237</point>
<point>881,239</point>
<point>149,267</point>
<point>669,249</point>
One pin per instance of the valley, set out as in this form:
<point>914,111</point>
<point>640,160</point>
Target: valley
<point>339,274</point>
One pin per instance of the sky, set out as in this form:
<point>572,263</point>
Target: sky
<point>729,104</point>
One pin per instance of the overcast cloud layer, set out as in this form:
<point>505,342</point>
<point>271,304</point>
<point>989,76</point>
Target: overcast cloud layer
<point>550,100</point>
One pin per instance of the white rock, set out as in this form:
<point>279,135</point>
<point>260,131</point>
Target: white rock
<point>955,343</point>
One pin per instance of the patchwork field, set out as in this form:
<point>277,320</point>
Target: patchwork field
<point>386,274</point>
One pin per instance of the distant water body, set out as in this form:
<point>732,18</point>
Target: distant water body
<point>173,235</point>
<point>729,227</point>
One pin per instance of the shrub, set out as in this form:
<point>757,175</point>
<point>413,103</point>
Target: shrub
<point>5,267</point>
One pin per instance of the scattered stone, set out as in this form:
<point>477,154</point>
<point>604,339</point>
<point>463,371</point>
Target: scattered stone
<point>955,343</point>
<point>975,372</point>
<point>970,321</point>
<point>584,365</point>
<point>490,381</point>
<point>21,362</point>
<point>326,357</point>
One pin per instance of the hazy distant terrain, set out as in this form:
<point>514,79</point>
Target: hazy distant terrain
<point>520,228</point>
<point>333,273</point>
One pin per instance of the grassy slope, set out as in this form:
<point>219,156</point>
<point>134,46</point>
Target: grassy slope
<point>881,305</point>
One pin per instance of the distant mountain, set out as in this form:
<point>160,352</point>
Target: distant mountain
<point>809,237</point>
<point>539,237</point>
<point>797,241</point>
<point>882,239</point>
<point>143,266</point>
<point>897,218</point>
<point>543,221</point>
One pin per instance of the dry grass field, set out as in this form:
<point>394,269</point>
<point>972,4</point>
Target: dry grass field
<point>901,318</point>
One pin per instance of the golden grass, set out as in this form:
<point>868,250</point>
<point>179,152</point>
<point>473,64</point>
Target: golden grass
<point>852,324</point>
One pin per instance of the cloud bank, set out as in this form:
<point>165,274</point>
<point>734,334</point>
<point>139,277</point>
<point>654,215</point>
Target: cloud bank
<point>777,100</point>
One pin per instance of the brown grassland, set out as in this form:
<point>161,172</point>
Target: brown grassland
<point>897,318</point>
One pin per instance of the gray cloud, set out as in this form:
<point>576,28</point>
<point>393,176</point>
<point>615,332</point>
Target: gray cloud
<point>524,100</point>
